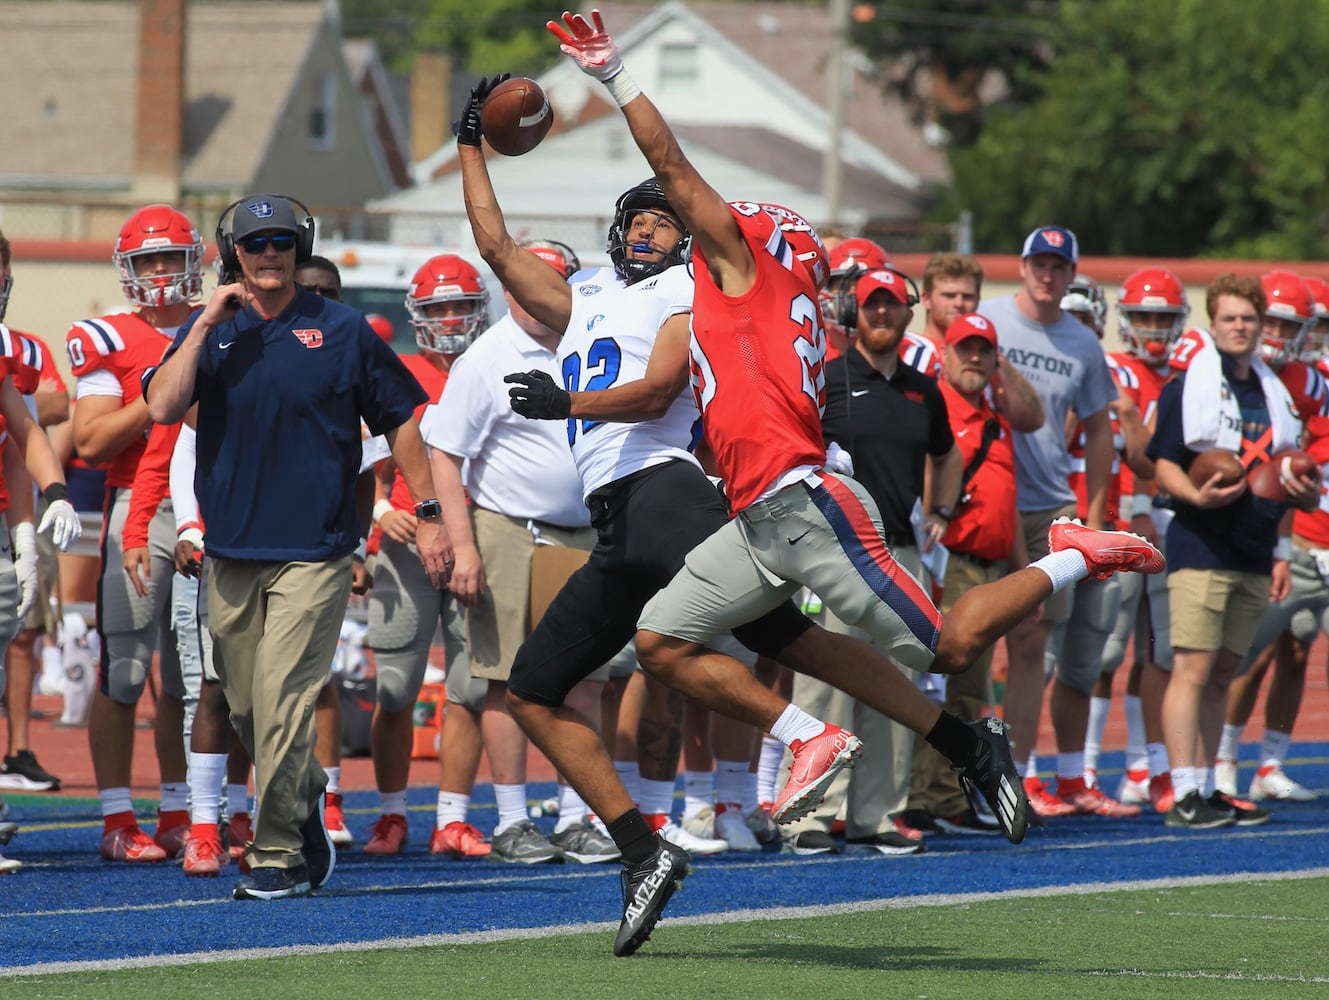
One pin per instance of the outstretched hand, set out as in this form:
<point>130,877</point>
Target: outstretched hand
<point>590,47</point>
<point>537,397</point>
<point>467,127</point>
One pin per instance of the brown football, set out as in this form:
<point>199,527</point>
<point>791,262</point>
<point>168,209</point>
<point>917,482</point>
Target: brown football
<point>516,116</point>
<point>1266,479</point>
<point>1226,463</point>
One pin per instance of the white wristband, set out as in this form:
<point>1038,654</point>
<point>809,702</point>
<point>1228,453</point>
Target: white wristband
<point>1283,548</point>
<point>381,507</point>
<point>1142,504</point>
<point>622,88</point>
<point>192,535</point>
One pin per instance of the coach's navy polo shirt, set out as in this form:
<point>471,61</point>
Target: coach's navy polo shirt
<point>280,403</point>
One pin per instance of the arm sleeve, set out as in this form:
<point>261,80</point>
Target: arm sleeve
<point>151,483</point>
<point>183,461</point>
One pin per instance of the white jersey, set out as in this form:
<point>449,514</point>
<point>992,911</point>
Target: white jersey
<point>608,342</point>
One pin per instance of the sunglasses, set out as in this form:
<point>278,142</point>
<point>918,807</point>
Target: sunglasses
<point>281,242</point>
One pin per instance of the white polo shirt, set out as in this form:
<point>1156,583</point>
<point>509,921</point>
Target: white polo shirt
<point>515,466</point>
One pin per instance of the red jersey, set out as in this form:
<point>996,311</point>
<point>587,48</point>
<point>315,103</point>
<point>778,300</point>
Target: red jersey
<point>758,365</point>
<point>34,366</point>
<point>1307,387</point>
<point>920,353</point>
<point>124,346</point>
<point>152,482</point>
<point>1148,382</point>
<point>1314,526</point>
<point>432,380</point>
<point>984,525</point>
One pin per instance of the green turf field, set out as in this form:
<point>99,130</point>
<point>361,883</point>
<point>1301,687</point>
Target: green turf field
<point>1250,940</point>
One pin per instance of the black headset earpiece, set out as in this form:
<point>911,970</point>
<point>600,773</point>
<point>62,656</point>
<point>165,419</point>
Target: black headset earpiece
<point>848,293</point>
<point>230,261</point>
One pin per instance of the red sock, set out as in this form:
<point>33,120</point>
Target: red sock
<point>172,817</point>
<point>119,821</point>
<point>1069,786</point>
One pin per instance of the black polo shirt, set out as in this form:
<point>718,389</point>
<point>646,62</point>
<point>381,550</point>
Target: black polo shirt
<point>888,426</point>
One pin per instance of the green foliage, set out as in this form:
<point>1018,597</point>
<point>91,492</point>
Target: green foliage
<point>1182,129</point>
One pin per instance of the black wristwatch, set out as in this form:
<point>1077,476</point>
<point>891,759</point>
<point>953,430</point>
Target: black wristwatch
<point>942,511</point>
<point>427,509</point>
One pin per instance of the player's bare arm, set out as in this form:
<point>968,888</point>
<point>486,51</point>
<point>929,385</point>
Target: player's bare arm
<point>38,455</point>
<point>104,426</point>
<point>1014,398</point>
<point>703,211</point>
<point>431,538</point>
<point>541,290</point>
<point>468,575</point>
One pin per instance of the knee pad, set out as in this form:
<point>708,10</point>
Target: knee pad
<point>123,680</point>
<point>398,676</point>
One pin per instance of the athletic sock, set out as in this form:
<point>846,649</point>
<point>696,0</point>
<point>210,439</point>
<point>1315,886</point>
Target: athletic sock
<point>1229,744</point>
<point>451,808</point>
<point>207,771</point>
<point>698,791</point>
<point>952,739</point>
<point>334,780</point>
<point>1274,748</point>
<point>572,808</point>
<point>768,768</point>
<point>393,803</point>
<point>1093,737</point>
<point>1137,754</point>
<point>736,784</point>
<point>511,801</point>
<point>657,797</point>
<point>627,773</point>
<point>795,724</point>
<point>1065,568</point>
<point>633,837</point>
<point>1158,760</point>
<point>237,799</point>
<point>117,803</point>
<point>1184,781</point>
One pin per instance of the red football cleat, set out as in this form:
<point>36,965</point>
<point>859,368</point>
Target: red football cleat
<point>203,853</point>
<point>335,820</point>
<point>816,763</point>
<point>1105,552</point>
<point>1161,793</point>
<point>129,843</point>
<point>459,840</point>
<point>388,835</point>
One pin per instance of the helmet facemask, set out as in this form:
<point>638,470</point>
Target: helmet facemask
<point>646,197</point>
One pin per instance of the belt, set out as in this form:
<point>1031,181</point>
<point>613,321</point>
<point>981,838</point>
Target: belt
<point>976,560</point>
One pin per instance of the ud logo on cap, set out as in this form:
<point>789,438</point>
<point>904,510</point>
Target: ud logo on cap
<point>1053,238</point>
<point>260,209</point>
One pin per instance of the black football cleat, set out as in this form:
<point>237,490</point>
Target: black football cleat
<point>990,772</point>
<point>647,887</point>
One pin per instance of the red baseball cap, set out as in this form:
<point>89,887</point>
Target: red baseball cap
<point>971,325</point>
<point>880,278</point>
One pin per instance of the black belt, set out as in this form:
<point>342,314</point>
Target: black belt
<point>977,561</point>
<point>900,540</point>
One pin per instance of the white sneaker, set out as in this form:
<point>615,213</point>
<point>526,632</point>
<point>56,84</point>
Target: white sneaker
<point>8,865</point>
<point>680,837</point>
<point>731,825</point>
<point>701,823</point>
<point>1272,783</point>
<point>1225,777</point>
<point>1133,792</point>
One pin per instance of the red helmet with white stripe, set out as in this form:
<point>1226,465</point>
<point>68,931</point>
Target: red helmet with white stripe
<point>447,279</point>
<point>1151,313</point>
<point>1287,318</point>
<point>1317,341</point>
<point>804,241</point>
<point>159,229</point>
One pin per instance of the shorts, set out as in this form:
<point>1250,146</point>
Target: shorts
<point>1056,608</point>
<point>1214,609</point>
<point>1143,621</point>
<point>1075,648</point>
<point>1304,612</point>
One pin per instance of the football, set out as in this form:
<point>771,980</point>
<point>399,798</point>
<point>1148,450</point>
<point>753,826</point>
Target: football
<point>1226,463</point>
<point>516,116</point>
<point>1266,479</point>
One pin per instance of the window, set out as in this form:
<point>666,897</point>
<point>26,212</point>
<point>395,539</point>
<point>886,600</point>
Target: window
<point>678,66</point>
<point>323,115</point>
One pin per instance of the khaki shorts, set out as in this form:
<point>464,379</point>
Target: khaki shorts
<point>1213,609</point>
<point>500,623</point>
<point>1056,608</point>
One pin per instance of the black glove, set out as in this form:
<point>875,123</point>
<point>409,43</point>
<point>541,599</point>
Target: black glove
<point>537,397</point>
<point>467,127</point>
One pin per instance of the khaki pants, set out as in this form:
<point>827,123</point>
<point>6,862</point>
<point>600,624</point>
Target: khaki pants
<point>274,628</point>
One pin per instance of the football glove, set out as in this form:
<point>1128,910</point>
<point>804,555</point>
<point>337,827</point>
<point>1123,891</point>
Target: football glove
<point>467,127</point>
<point>537,397</point>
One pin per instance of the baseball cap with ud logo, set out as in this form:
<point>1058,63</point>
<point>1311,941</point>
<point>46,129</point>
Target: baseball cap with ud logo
<point>891,281</point>
<point>971,325</point>
<point>1052,239</point>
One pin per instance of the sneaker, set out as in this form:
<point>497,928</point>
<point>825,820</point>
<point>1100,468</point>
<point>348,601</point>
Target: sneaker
<point>8,866</point>
<point>129,843</point>
<point>1225,776</point>
<point>991,773</point>
<point>23,771</point>
<point>172,832</point>
<point>273,883</point>
<point>967,822</point>
<point>647,887</point>
<point>701,823</point>
<point>1091,777</point>
<point>922,821</point>
<point>336,820</point>
<point>320,855</point>
<point>1196,813</point>
<point>1161,793</point>
<point>524,844</point>
<point>1105,552</point>
<point>691,843</point>
<point>811,842</point>
<point>889,843</point>
<point>7,831</point>
<point>203,853</point>
<point>386,836</point>
<point>816,763</point>
<point>903,828</point>
<point>459,840</point>
<point>762,826</point>
<point>1043,802</point>
<point>1244,813</point>
<point>731,826</point>
<point>1092,802</point>
<point>1134,788</point>
<point>584,843</point>
<point>1270,782</point>
<point>239,834</point>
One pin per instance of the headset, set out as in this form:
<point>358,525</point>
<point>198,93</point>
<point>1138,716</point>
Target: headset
<point>848,295</point>
<point>230,261</point>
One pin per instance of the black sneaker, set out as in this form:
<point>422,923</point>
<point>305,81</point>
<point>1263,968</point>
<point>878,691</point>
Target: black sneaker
<point>7,831</point>
<point>646,889</point>
<point>1242,811</point>
<point>968,822</point>
<point>991,773</point>
<point>320,854</point>
<point>922,821</point>
<point>1195,813</point>
<point>889,843</point>
<point>273,883</point>
<point>23,771</point>
<point>811,842</point>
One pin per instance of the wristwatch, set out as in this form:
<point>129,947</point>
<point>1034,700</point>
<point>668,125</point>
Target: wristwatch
<point>942,511</point>
<point>427,509</point>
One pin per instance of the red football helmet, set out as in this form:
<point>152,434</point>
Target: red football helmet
<point>1288,299</point>
<point>1087,302</point>
<point>858,250</point>
<point>1317,341</point>
<point>5,288</point>
<point>381,325</point>
<point>1148,293</point>
<point>447,278</point>
<point>152,230</point>
<point>805,243</point>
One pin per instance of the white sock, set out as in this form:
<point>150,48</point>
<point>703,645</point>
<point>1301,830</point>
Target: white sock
<point>393,803</point>
<point>1184,781</point>
<point>735,784</point>
<point>207,772</point>
<point>511,801</point>
<point>1065,568</point>
<point>1229,744</point>
<point>1031,766</point>
<point>1137,753</point>
<point>698,791</point>
<point>795,724</point>
<point>1070,765</point>
<point>237,799</point>
<point>334,780</point>
<point>657,797</point>
<point>175,796</point>
<point>451,808</point>
<point>1274,748</point>
<point>768,768</point>
<point>572,808</point>
<point>1204,780</point>
<point>116,800</point>
<point>1158,760</point>
<point>627,773</point>
<point>1093,737</point>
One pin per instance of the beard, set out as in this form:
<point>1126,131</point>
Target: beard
<point>970,382</point>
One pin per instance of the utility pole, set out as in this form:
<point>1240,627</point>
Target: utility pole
<point>832,169</point>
